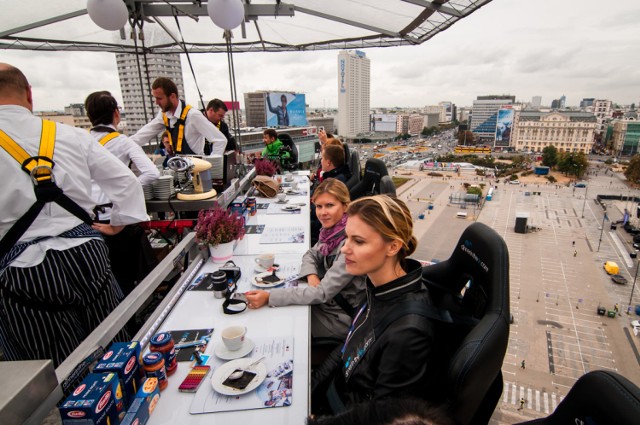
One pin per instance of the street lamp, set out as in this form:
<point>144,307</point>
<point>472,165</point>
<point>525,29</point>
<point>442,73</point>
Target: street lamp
<point>585,199</point>
<point>633,287</point>
<point>602,228</point>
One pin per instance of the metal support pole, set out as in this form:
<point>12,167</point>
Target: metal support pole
<point>602,228</point>
<point>633,287</point>
<point>585,200</point>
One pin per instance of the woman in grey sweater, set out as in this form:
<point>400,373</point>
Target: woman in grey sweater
<point>332,292</point>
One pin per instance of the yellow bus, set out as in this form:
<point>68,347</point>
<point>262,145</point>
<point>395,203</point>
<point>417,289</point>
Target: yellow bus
<point>473,149</point>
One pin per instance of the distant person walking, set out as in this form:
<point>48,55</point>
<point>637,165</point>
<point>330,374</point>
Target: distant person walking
<point>521,403</point>
<point>575,253</point>
<point>522,365</point>
<point>573,243</point>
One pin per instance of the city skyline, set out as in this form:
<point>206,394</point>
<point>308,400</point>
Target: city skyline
<point>579,49</point>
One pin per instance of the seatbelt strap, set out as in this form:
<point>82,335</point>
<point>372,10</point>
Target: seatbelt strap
<point>108,137</point>
<point>180,123</point>
<point>40,169</point>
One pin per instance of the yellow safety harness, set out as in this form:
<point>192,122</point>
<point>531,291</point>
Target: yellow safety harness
<point>177,145</point>
<point>108,137</point>
<point>40,169</point>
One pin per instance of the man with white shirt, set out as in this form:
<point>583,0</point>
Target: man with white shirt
<point>186,126</point>
<point>56,284</point>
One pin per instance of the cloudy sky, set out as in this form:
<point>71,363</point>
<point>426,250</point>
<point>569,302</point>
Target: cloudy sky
<point>579,48</point>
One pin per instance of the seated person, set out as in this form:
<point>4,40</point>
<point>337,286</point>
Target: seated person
<point>396,360</point>
<point>333,165</point>
<point>274,149</point>
<point>332,292</point>
<point>325,140</point>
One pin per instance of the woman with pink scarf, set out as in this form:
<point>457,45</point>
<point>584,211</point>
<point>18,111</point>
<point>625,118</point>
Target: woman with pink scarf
<point>332,292</point>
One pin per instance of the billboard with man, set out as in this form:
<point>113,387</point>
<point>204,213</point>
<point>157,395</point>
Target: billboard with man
<point>286,109</point>
<point>504,124</point>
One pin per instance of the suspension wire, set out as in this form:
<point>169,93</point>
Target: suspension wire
<point>132,22</point>
<point>186,52</point>
<point>234,94</point>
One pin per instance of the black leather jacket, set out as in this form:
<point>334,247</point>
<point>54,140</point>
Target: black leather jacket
<point>396,361</point>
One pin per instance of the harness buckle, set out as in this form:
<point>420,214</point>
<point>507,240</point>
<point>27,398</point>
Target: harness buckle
<point>37,177</point>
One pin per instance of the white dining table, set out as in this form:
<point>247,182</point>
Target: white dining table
<point>201,310</point>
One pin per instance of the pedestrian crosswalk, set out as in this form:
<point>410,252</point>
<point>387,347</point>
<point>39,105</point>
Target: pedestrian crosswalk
<point>539,401</point>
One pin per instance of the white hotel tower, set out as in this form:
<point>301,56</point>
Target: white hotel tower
<point>354,80</point>
<point>159,66</point>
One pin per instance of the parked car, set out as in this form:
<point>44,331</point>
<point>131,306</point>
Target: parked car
<point>636,239</point>
<point>636,245</point>
<point>635,324</point>
<point>619,279</point>
<point>514,181</point>
<point>580,185</point>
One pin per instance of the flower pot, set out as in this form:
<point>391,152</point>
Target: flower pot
<point>222,253</point>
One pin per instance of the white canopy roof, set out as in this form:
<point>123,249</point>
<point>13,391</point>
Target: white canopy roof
<point>270,25</point>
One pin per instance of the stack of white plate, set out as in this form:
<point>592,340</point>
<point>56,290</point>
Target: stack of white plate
<point>217,166</point>
<point>163,187</point>
<point>148,191</point>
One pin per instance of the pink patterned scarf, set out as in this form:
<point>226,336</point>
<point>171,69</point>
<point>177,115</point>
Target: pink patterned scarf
<point>330,238</point>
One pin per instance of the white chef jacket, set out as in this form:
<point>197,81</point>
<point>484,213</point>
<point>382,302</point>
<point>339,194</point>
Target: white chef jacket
<point>197,127</point>
<point>78,160</point>
<point>126,151</point>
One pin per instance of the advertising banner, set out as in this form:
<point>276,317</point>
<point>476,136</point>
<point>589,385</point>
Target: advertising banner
<point>286,109</point>
<point>504,124</point>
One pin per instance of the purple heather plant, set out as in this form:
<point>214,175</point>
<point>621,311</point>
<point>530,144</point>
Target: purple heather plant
<point>217,225</point>
<point>265,167</point>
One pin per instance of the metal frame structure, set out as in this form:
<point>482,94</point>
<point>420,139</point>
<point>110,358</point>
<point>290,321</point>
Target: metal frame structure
<point>415,22</point>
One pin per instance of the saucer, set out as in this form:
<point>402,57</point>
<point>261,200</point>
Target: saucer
<point>282,202</point>
<point>261,284</point>
<point>223,372</point>
<point>222,352</point>
<point>291,208</point>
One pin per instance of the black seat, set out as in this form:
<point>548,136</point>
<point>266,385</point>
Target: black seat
<point>599,397</point>
<point>354,167</point>
<point>474,281</point>
<point>387,186</point>
<point>374,170</point>
<point>287,141</point>
<point>347,152</point>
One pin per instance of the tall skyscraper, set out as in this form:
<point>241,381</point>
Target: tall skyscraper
<point>158,66</point>
<point>536,101</point>
<point>354,87</point>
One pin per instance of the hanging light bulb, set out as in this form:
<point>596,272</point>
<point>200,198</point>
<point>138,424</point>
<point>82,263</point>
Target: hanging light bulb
<point>110,15</point>
<point>227,14</point>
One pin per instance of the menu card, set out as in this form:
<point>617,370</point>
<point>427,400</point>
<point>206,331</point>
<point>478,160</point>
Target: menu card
<point>275,391</point>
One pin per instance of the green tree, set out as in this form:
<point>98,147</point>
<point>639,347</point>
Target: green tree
<point>573,164</point>
<point>550,156</point>
<point>632,173</point>
<point>465,138</point>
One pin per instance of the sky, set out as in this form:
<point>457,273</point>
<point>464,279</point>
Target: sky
<point>579,48</point>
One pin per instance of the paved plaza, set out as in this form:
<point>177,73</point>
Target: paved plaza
<point>554,294</point>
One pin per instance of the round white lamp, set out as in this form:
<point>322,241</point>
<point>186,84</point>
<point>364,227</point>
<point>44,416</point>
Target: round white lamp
<point>227,14</point>
<point>110,15</point>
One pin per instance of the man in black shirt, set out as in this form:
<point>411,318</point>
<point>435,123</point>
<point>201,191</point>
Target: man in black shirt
<point>216,109</point>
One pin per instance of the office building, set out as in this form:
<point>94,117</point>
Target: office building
<point>626,137</point>
<point>158,65</point>
<point>586,102</point>
<point>567,131</point>
<point>484,116</point>
<point>411,124</point>
<point>603,112</point>
<point>536,101</point>
<point>354,80</point>
<point>449,112</point>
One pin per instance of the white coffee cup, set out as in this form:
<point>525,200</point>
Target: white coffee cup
<point>233,337</point>
<point>288,177</point>
<point>294,186</point>
<point>265,260</point>
<point>282,197</point>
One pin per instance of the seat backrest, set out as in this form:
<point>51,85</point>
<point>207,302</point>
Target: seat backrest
<point>387,186</point>
<point>287,141</point>
<point>474,281</point>
<point>599,397</point>
<point>354,167</point>
<point>374,170</point>
<point>347,152</point>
